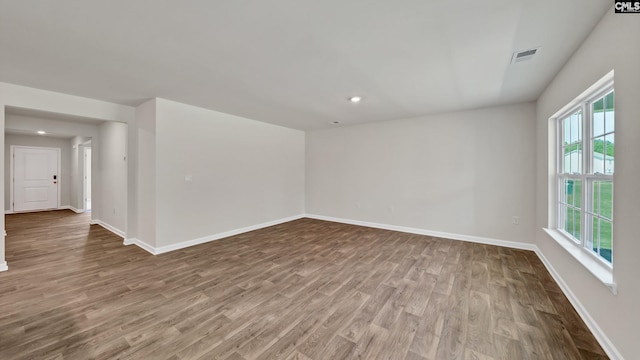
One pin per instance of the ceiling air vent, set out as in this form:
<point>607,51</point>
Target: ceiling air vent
<point>520,56</point>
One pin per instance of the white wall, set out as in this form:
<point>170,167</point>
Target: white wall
<point>110,199</point>
<point>244,172</point>
<point>613,44</point>
<point>65,183</point>
<point>142,175</point>
<point>464,173</point>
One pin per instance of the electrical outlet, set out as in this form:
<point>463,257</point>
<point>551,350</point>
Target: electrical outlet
<point>515,220</point>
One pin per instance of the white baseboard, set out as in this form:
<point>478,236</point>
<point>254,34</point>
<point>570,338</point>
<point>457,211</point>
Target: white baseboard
<point>108,227</point>
<point>3,264</point>
<point>602,338</point>
<point>141,244</point>
<point>184,244</point>
<point>218,236</point>
<point>63,207</point>
<point>440,234</point>
<point>69,207</point>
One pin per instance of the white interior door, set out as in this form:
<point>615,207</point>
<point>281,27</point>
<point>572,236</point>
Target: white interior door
<point>36,178</point>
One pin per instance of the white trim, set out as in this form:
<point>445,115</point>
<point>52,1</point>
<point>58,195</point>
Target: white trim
<point>440,234</point>
<point>69,207</point>
<point>184,244</point>
<point>605,82</point>
<point>64,207</point>
<point>596,266</point>
<point>218,236</point>
<point>3,264</point>
<point>141,244</point>
<point>587,176</point>
<point>9,212</point>
<point>108,227</point>
<point>597,332</point>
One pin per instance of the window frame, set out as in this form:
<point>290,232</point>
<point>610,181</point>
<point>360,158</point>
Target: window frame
<point>587,176</point>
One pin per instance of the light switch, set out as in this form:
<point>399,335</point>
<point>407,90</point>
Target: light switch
<point>188,178</point>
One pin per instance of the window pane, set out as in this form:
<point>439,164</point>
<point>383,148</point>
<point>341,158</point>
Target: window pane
<point>576,128</point>
<point>609,113</point>
<point>568,223</point>
<point>567,159</point>
<point>576,142</point>
<point>575,157</point>
<point>588,242</point>
<point>606,230</point>
<point>568,191</point>
<point>604,191</point>
<point>598,117</point>
<point>595,244</point>
<point>562,220</point>
<point>577,193</point>
<point>572,146</point>
<point>595,201</point>
<point>609,159</point>
<point>598,155</point>
<point>576,224</point>
<point>602,238</point>
<point>572,223</point>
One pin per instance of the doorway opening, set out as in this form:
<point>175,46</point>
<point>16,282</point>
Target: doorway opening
<point>75,137</point>
<point>87,177</point>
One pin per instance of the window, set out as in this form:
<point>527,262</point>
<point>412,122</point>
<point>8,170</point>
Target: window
<point>586,151</point>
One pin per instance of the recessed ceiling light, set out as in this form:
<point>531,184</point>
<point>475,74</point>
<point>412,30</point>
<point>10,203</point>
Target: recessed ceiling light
<point>355,99</point>
<point>41,132</point>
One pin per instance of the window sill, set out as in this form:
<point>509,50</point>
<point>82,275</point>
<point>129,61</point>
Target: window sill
<point>596,267</point>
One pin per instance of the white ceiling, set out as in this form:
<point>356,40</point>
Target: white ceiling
<point>294,62</point>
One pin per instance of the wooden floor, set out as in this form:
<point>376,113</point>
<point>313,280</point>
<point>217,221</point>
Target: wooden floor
<point>304,290</point>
